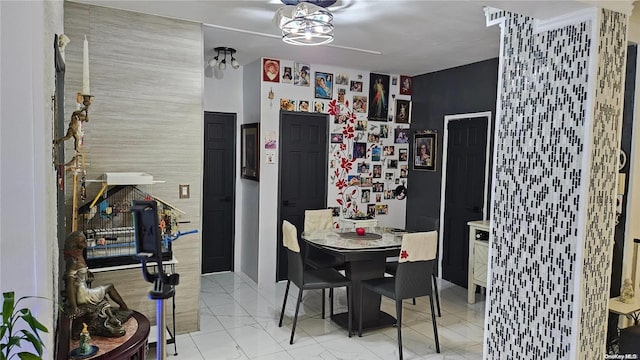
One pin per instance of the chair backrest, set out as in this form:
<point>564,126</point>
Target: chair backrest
<point>415,264</point>
<point>315,220</point>
<point>294,259</point>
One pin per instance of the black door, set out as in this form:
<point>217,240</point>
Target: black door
<point>464,193</point>
<point>303,172</point>
<point>218,192</point>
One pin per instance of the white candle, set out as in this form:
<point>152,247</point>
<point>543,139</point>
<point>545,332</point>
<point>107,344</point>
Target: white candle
<point>85,68</point>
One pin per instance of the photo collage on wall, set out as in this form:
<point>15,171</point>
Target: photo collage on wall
<point>369,134</point>
<point>369,159</point>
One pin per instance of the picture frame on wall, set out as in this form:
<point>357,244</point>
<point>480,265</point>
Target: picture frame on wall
<point>406,85</point>
<point>378,97</point>
<point>250,151</point>
<point>424,150</point>
<point>270,70</point>
<point>324,85</point>
<point>403,111</point>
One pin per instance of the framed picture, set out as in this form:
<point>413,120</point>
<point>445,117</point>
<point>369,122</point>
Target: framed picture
<point>342,79</point>
<point>360,104</point>
<point>324,85</point>
<point>406,87</point>
<point>271,70</point>
<point>356,86</point>
<point>425,146</point>
<point>403,111</point>
<point>287,76</point>
<point>250,151</point>
<point>378,97</point>
<point>301,73</point>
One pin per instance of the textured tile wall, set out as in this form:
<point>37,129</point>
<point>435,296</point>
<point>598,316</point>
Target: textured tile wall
<point>147,116</point>
<point>543,135</point>
<point>600,213</point>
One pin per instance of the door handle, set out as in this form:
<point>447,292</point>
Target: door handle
<point>288,203</point>
<point>225,199</point>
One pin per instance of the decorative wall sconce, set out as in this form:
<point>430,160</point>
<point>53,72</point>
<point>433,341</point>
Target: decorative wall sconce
<point>220,60</point>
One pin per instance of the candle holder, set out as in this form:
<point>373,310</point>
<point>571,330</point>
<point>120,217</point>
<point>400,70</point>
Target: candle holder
<point>86,102</point>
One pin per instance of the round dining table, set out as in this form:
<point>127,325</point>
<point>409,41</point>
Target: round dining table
<point>364,257</point>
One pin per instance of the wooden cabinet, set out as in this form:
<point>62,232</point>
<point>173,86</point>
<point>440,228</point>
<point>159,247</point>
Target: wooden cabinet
<point>478,257</point>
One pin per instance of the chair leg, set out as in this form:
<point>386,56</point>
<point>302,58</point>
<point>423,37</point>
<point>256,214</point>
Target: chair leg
<point>284,303</point>
<point>435,326</point>
<point>295,317</point>
<point>323,303</point>
<point>360,314</point>
<point>349,310</point>
<point>399,325</point>
<point>331,298</point>
<point>414,301</point>
<point>435,287</point>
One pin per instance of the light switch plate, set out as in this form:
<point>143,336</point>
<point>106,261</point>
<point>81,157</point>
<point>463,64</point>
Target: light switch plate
<point>184,191</point>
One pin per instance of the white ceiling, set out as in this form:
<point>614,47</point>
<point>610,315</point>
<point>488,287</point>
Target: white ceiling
<point>407,37</point>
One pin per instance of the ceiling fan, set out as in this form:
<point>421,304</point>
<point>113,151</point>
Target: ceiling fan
<point>330,6</point>
<point>305,22</point>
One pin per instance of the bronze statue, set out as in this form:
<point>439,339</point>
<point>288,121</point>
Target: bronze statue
<point>90,304</point>
<point>77,117</point>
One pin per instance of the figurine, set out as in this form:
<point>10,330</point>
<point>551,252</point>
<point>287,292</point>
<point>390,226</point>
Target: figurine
<point>78,117</point>
<point>90,304</point>
<point>626,293</point>
<point>84,346</point>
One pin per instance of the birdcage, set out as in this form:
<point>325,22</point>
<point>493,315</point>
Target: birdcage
<point>108,226</point>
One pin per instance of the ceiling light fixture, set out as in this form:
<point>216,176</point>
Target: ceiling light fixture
<point>305,23</point>
<point>220,60</point>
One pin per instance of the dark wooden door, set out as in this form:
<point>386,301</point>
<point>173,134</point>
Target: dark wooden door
<point>464,193</point>
<point>218,201</point>
<point>303,172</point>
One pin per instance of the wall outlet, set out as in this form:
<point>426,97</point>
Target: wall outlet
<point>184,191</point>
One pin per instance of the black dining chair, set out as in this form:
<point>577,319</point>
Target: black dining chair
<point>318,220</point>
<point>307,279</point>
<point>412,279</point>
<point>422,224</point>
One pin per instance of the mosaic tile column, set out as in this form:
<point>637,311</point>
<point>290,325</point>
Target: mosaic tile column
<point>560,97</point>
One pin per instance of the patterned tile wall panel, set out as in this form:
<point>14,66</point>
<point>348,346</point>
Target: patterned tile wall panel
<point>597,249</point>
<point>146,75</point>
<point>543,134</point>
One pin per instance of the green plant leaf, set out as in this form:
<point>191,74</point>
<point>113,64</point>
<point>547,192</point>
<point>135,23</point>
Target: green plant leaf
<point>33,322</point>
<point>35,341</point>
<point>7,305</point>
<point>28,356</point>
<point>13,341</point>
<point>3,330</point>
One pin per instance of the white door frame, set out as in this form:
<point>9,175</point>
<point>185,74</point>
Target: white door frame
<point>445,145</point>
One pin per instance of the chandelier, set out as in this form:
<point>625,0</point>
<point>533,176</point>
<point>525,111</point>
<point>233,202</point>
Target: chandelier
<point>220,60</point>
<point>305,23</point>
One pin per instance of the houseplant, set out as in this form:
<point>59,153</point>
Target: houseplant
<point>19,326</point>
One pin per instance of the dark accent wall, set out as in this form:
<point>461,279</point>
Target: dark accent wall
<point>464,89</point>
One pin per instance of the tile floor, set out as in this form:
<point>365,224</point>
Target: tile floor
<point>238,320</point>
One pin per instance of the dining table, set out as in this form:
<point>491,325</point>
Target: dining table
<point>365,256</point>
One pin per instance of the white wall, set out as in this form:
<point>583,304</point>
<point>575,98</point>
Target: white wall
<point>223,93</point>
<point>28,244</point>
<point>249,198</point>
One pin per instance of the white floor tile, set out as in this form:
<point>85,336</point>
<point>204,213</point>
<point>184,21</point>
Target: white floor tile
<point>255,341</point>
<point>239,320</point>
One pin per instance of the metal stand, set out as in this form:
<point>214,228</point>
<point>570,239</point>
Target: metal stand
<point>163,288</point>
<point>149,248</point>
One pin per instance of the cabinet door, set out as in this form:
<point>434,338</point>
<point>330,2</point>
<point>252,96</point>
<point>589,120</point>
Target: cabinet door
<point>481,259</point>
